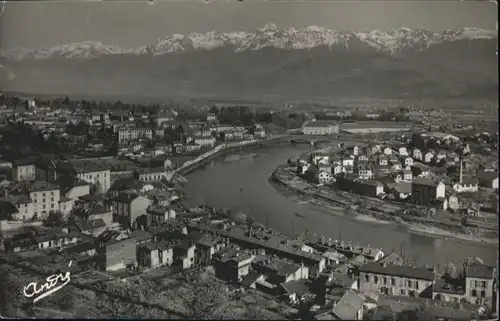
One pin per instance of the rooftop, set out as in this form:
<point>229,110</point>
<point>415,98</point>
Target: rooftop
<point>420,273</point>
<point>425,181</point>
<point>487,175</point>
<point>348,306</point>
<point>150,170</point>
<point>480,271</point>
<point>391,258</point>
<point>126,197</point>
<point>36,186</point>
<point>86,165</point>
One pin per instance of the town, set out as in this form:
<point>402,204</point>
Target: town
<point>427,177</point>
<point>101,185</point>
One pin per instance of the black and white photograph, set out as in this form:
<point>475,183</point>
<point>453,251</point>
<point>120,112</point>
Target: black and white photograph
<point>228,159</point>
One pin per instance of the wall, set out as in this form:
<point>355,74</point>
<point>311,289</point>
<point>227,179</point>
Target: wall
<point>66,207</point>
<point>101,179</point>
<point>400,284</point>
<point>119,254</point>
<point>12,225</point>
<point>51,202</point>
<point>24,173</point>
<point>469,286</point>
<point>24,212</point>
<point>107,217</point>
<point>77,191</point>
<point>138,207</point>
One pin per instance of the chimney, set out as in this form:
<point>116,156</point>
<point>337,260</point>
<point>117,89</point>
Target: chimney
<point>461,170</point>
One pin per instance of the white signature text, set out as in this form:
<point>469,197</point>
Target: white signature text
<point>49,287</point>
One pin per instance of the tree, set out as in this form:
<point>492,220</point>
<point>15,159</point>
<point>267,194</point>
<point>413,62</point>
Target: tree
<point>417,141</point>
<point>7,210</point>
<point>214,110</point>
<point>240,218</point>
<point>55,219</point>
<point>450,270</point>
<point>418,314</point>
<point>205,298</point>
<point>250,220</point>
<point>78,214</point>
<point>11,292</point>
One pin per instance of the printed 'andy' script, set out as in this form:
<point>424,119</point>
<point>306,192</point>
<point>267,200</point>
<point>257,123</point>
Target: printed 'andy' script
<point>54,283</point>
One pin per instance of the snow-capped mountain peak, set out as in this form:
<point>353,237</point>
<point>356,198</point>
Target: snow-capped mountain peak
<point>270,36</point>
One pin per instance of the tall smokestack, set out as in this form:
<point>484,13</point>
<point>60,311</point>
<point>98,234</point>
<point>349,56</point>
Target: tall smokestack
<point>461,170</point>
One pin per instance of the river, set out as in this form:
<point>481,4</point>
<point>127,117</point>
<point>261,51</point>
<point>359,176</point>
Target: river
<point>242,185</point>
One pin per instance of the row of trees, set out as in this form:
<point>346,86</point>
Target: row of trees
<point>362,115</point>
<point>19,140</point>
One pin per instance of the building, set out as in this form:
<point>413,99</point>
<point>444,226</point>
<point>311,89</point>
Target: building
<point>127,207</point>
<point>66,205</point>
<point>420,170</point>
<point>152,255</point>
<point>383,160</point>
<point>23,204</point>
<point>324,177</point>
<point>393,159</point>
<point>159,214</point>
<point>23,170</point>
<point>365,173</point>
<point>448,290</point>
<point>360,186</point>
<point>408,161</point>
<point>117,254</point>
<point>387,151</point>
<point>97,212</point>
<point>206,247</point>
<point>150,174</point>
<point>126,135</point>
<point>41,240</point>
<point>184,254</point>
<point>280,271</point>
<point>78,189</point>
<point>467,185</point>
<point>349,307</point>
<point>417,154</point>
<point>205,141</point>
<point>45,196</point>
<point>94,172</point>
<point>232,264</point>
<point>396,167</point>
<point>395,279</point>
<point>479,282</point>
<point>407,175</point>
<point>425,191</point>
<point>319,128</point>
<point>488,179</point>
<point>428,157</point>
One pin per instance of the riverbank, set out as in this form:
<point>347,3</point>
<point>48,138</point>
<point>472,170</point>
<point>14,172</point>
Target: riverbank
<point>342,207</point>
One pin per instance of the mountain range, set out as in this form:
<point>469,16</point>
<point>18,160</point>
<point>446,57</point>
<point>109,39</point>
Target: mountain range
<point>299,64</point>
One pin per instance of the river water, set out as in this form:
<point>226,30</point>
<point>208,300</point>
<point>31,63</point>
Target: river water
<point>242,185</point>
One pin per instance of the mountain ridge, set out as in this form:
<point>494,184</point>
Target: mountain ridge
<point>394,42</point>
<point>310,63</point>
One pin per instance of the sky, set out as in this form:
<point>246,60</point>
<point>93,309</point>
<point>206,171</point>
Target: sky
<point>40,24</point>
